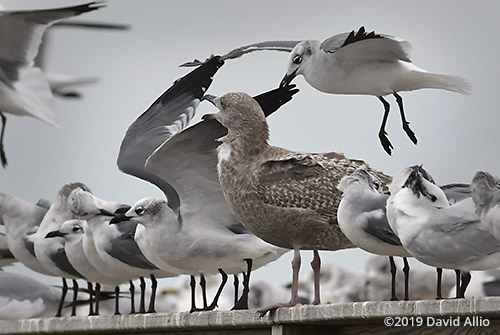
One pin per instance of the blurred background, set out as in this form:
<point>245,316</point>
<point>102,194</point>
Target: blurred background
<point>457,134</point>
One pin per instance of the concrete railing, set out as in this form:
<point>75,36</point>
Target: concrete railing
<point>475,316</point>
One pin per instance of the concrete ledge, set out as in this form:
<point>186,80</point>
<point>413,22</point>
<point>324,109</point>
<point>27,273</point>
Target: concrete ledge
<point>348,318</point>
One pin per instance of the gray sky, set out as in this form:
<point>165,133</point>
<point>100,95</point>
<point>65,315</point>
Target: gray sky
<point>457,134</point>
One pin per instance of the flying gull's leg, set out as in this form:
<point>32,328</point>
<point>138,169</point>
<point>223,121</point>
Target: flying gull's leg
<point>75,296</point>
<point>152,299</point>
<point>219,291</point>
<point>406,124</point>
<point>3,157</point>
<point>142,305</point>
<point>382,134</point>
<point>242,303</point>
<point>439,295</point>
<point>63,295</point>
<point>316,266</point>
<point>406,271</point>
<point>393,278</point>
<point>465,278</point>
<point>294,299</point>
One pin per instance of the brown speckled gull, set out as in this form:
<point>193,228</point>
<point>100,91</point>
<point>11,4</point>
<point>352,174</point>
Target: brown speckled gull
<point>286,198</point>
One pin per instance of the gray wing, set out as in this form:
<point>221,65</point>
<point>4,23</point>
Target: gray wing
<point>62,262</point>
<point>125,249</point>
<point>167,116</point>
<point>188,161</point>
<point>21,34</point>
<point>360,45</point>
<point>286,46</point>
<point>457,191</point>
<point>378,227</point>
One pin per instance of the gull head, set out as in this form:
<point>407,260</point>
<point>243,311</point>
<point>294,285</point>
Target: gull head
<point>483,185</point>
<point>298,61</point>
<point>401,177</point>
<point>84,205</point>
<point>71,230</point>
<point>425,192</point>
<point>147,211</point>
<point>362,179</point>
<point>240,114</point>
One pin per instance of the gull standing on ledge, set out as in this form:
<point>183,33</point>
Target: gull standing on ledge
<point>24,90</point>
<point>286,198</point>
<point>358,63</point>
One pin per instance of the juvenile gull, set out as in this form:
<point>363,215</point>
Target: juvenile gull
<point>440,235</point>
<point>359,62</point>
<point>287,198</point>
<point>362,218</point>
<point>24,90</point>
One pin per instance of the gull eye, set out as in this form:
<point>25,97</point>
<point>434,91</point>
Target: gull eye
<point>139,210</point>
<point>297,59</point>
<point>76,229</point>
<point>376,184</point>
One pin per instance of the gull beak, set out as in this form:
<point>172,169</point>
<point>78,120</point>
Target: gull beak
<point>210,98</point>
<point>119,218</point>
<point>122,210</point>
<point>287,79</point>
<point>55,233</point>
<point>209,117</point>
<point>104,212</point>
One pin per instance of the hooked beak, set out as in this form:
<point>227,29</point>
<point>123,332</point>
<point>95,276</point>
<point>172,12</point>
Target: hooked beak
<point>119,218</point>
<point>55,233</point>
<point>287,79</point>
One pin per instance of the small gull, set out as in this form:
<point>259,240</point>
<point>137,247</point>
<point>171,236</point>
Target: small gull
<point>438,234</point>
<point>486,196</point>
<point>272,190</point>
<point>21,219</point>
<point>24,90</point>
<point>359,62</point>
<point>116,247</point>
<point>362,218</point>
<point>183,164</point>
<point>73,234</point>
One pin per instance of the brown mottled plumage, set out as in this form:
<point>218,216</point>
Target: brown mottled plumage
<point>286,198</point>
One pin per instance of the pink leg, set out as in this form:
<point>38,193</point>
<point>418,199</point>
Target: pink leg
<point>316,266</point>
<point>294,299</point>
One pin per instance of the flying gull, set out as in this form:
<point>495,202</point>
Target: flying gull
<point>287,198</point>
<point>359,62</point>
<point>24,90</point>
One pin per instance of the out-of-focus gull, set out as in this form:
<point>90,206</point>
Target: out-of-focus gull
<point>486,196</point>
<point>6,257</point>
<point>22,297</point>
<point>362,218</point>
<point>21,219</point>
<point>73,234</point>
<point>184,163</point>
<point>440,235</point>
<point>287,198</point>
<point>23,88</point>
<point>359,62</point>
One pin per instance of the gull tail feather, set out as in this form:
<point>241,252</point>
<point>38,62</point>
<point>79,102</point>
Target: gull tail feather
<point>37,98</point>
<point>446,82</point>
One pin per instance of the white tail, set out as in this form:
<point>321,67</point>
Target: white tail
<point>446,82</point>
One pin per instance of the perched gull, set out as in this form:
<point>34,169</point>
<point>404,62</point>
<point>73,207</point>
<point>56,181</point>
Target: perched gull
<point>437,234</point>
<point>486,196</point>
<point>24,90</point>
<point>73,234</point>
<point>359,62</point>
<point>362,218</point>
<point>287,198</point>
<point>21,219</point>
<point>183,164</point>
<point>22,297</point>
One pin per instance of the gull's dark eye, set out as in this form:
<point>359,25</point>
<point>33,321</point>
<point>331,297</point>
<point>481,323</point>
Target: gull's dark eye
<point>376,184</point>
<point>76,229</point>
<point>139,210</point>
<point>297,59</point>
